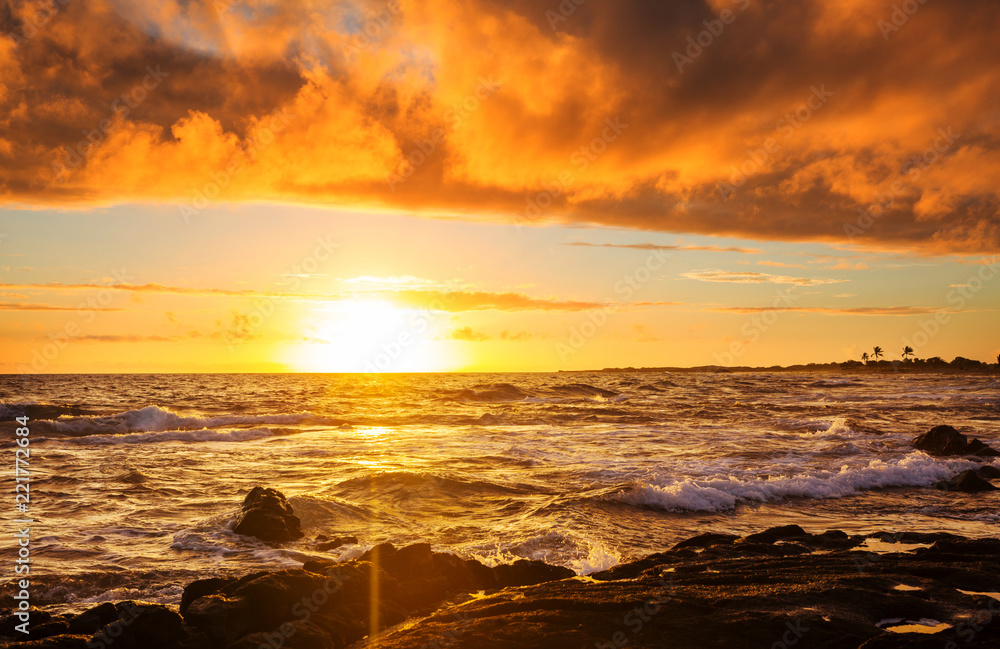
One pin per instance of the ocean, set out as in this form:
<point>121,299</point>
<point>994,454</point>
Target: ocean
<point>134,479</point>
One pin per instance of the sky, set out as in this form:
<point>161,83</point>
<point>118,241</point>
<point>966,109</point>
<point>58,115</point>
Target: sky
<point>354,186</point>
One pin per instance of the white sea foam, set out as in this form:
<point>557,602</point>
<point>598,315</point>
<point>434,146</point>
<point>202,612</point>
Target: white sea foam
<point>723,493</point>
<point>598,558</point>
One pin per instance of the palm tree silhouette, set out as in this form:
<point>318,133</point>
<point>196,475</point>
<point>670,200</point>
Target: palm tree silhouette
<point>864,358</point>
<point>876,353</point>
<point>907,351</point>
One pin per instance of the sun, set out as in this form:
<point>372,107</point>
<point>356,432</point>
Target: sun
<point>373,336</point>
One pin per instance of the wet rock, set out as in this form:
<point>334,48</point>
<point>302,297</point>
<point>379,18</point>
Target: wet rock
<point>977,447</point>
<point>943,441</point>
<point>744,593</point>
<point>777,534</point>
<point>266,515</point>
<point>48,630</point>
<point>92,620</point>
<point>299,634</point>
<point>527,573</point>
<point>200,588</point>
<point>705,540</point>
<point>326,546</point>
<point>966,481</point>
<point>988,472</point>
<point>722,599</point>
<point>143,626</point>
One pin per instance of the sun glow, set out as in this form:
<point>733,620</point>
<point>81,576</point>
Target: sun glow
<point>373,336</point>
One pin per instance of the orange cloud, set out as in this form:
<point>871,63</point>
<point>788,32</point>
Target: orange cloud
<point>18,306</point>
<point>748,277</point>
<point>779,264</point>
<point>651,246</point>
<point>487,110</point>
<point>455,301</point>
<point>467,334</point>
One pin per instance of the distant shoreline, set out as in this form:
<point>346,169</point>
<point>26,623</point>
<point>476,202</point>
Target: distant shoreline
<point>849,367</point>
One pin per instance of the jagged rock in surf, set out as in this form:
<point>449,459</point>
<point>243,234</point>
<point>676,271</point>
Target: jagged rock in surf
<point>266,515</point>
<point>988,472</point>
<point>943,441</point>
<point>325,545</point>
<point>967,481</point>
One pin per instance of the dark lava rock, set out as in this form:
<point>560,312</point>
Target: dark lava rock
<point>988,472</point>
<point>777,534</point>
<point>787,588</point>
<point>823,599</point>
<point>300,634</point>
<point>201,587</point>
<point>92,620</point>
<point>333,598</point>
<point>942,441</point>
<point>125,625</point>
<point>267,515</point>
<point>705,540</point>
<point>527,573</point>
<point>326,546</point>
<point>967,481</point>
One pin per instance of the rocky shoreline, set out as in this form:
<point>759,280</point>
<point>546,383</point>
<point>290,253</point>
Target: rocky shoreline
<point>774,589</point>
<point>779,588</point>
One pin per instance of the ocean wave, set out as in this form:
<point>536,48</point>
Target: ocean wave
<point>507,393</point>
<point>807,428</point>
<point>721,494</point>
<point>487,393</point>
<point>204,435</point>
<point>154,419</point>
